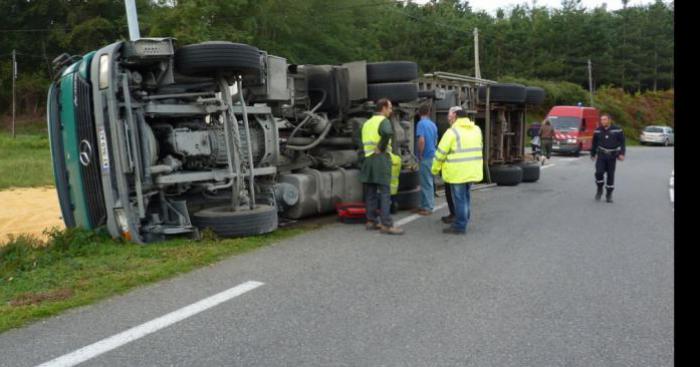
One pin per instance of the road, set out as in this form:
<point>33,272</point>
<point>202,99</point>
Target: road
<point>546,276</point>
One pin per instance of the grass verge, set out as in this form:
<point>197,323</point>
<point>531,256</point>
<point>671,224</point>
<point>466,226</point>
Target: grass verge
<point>75,267</point>
<point>26,161</point>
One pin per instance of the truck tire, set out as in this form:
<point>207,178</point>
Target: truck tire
<point>391,71</point>
<point>409,180</point>
<point>409,199</point>
<point>396,92</point>
<point>506,175</point>
<point>534,95</point>
<point>450,100</point>
<point>217,57</point>
<point>504,93</point>
<point>330,80</point>
<point>531,171</point>
<point>241,223</point>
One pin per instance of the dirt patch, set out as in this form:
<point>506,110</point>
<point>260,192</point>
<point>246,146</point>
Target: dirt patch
<point>31,298</point>
<point>30,211</point>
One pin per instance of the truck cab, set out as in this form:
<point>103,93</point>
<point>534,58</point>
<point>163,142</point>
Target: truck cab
<point>574,127</point>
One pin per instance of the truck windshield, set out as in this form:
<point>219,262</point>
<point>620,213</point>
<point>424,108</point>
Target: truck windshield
<point>565,123</point>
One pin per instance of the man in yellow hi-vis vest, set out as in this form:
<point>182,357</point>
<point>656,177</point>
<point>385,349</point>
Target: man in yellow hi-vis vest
<point>459,156</point>
<point>376,170</point>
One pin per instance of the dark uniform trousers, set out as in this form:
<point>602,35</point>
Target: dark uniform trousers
<point>605,165</point>
<point>608,145</point>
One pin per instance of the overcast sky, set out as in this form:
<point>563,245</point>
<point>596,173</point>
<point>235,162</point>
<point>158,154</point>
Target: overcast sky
<point>491,5</point>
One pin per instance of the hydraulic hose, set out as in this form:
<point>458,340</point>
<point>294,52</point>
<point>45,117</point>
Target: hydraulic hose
<point>309,114</point>
<point>316,142</point>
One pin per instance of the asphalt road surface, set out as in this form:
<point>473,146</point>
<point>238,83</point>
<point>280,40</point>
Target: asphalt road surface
<point>546,276</point>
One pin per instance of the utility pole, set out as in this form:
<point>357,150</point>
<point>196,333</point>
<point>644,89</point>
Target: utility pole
<point>590,81</point>
<point>14,76</point>
<point>477,71</point>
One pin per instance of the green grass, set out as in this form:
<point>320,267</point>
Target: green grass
<point>76,267</point>
<point>25,160</point>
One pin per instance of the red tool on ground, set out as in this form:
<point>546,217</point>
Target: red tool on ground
<point>353,212</point>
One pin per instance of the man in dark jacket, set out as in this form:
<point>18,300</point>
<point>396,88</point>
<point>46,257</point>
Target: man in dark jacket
<point>609,146</point>
<point>375,172</point>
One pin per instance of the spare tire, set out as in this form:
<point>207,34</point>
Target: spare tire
<point>217,57</point>
<point>449,101</point>
<point>409,199</point>
<point>534,95</point>
<point>391,71</point>
<point>395,92</point>
<point>504,93</point>
<point>506,175</point>
<point>409,180</point>
<point>531,171</point>
<point>243,222</point>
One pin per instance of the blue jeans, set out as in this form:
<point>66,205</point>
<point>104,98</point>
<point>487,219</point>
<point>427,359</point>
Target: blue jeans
<point>462,200</point>
<point>378,196</point>
<point>427,193</point>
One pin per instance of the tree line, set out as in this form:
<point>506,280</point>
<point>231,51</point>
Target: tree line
<point>631,48</point>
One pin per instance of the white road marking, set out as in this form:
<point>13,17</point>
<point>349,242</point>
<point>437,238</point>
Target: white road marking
<point>413,217</point>
<point>116,341</point>
<point>671,188</point>
<point>548,165</point>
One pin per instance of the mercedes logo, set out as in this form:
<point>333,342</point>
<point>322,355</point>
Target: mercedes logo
<point>85,152</point>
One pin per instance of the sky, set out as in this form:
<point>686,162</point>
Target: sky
<point>491,5</point>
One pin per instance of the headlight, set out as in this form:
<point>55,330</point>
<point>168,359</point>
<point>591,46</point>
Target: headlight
<point>104,72</point>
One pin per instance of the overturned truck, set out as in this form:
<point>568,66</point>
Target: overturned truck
<point>151,141</point>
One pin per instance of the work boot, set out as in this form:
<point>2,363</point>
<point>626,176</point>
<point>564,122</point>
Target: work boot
<point>448,219</point>
<point>599,193</point>
<point>390,230</point>
<point>608,195</point>
<point>370,225</point>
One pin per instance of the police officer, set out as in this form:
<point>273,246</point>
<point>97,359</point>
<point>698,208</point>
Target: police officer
<point>459,157</point>
<point>609,146</point>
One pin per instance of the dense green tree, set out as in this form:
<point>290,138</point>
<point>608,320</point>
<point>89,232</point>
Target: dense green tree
<point>631,48</point>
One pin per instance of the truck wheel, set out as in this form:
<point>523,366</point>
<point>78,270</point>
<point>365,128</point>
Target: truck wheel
<point>396,92</point>
<point>449,101</point>
<point>241,223</point>
<point>217,57</point>
<point>531,171</point>
<point>534,95</point>
<point>409,199</point>
<point>504,93</point>
<point>409,180</point>
<point>391,71</point>
<point>506,175</point>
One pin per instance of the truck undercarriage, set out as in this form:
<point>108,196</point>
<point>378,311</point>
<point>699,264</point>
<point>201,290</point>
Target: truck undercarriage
<point>152,141</point>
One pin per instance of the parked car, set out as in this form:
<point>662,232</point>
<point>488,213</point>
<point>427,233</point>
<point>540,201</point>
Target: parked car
<point>655,134</point>
<point>573,127</point>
